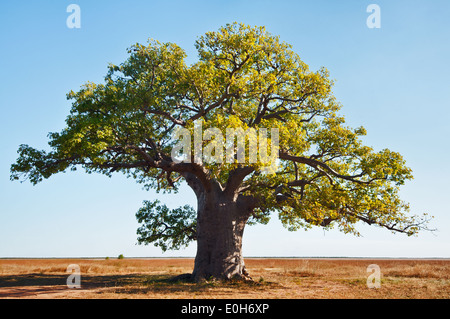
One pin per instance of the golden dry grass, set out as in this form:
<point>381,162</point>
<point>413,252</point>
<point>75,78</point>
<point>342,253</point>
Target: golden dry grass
<point>273,278</point>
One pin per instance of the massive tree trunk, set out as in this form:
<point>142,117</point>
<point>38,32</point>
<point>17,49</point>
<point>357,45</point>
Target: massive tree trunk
<point>220,226</point>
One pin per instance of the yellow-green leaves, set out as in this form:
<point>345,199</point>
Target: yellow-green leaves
<point>245,80</point>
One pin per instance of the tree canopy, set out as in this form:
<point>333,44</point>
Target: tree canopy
<point>245,78</point>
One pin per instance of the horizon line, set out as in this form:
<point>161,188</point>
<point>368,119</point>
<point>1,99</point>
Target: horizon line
<point>248,257</point>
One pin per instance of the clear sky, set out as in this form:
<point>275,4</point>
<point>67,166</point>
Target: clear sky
<point>394,81</point>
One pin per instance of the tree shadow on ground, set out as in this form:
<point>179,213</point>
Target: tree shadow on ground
<point>87,281</point>
<point>170,285</point>
<point>37,283</point>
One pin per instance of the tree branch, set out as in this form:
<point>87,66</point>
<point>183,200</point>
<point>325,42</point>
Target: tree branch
<point>235,179</point>
<point>324,168</point>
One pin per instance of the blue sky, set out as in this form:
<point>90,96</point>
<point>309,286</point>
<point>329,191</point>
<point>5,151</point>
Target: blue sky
<point>394,81</point>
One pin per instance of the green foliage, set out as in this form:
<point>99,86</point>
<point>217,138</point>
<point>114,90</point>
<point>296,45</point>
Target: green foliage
<point>244,78</point>
<point>166,228</point>
<point>120,257</point>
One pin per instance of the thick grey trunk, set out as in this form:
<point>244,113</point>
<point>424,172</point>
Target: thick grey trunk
<point>220,226</point>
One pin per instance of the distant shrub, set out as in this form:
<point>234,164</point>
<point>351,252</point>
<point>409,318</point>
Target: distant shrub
<point>107,258</point>
<point>120,256</point>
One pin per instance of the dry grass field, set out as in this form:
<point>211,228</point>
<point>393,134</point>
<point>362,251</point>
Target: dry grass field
<point>281,278</point>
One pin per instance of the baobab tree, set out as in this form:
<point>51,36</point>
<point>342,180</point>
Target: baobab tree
<point>245,78</point>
